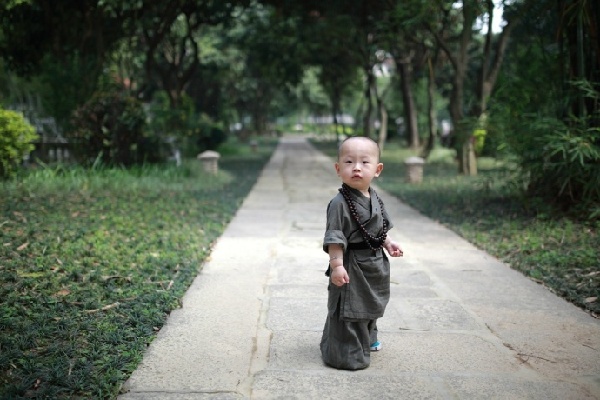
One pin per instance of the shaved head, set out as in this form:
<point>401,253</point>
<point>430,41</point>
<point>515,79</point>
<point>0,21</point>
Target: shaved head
<point>364,139</point>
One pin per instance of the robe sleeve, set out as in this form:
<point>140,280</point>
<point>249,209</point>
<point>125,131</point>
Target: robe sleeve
<point>337,223</point>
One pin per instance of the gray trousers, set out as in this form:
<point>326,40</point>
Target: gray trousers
<point>346,343</point>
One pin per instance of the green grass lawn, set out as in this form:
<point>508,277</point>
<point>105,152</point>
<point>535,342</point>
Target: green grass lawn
<point>551,248</point>
<point>92,262</point>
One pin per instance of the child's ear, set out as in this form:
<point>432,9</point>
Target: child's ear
<point>337,168</point>
<point>379,169</point>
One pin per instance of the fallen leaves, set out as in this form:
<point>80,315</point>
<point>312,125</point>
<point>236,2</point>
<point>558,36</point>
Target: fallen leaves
<point>20,216</point>
<point>105,308</point>
<point>107,278</point>
<point>30,274</point>
<point>62,293</point>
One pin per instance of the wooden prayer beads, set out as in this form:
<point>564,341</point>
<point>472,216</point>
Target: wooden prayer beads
<point>374,242</point>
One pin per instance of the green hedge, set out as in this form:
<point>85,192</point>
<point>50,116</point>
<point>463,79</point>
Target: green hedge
<point>16,137</point>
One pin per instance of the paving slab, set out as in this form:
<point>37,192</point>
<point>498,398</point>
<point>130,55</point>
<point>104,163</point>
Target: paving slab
<point>460,324</point>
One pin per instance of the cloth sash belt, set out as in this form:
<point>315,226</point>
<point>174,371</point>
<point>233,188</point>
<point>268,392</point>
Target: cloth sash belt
<point>358,246</point>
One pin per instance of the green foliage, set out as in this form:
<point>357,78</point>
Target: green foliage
<point>74,77</point>
<point>479,140</point>
<point>311,93</point>
<point>210,136</point>
<point>559,162</point>
<point>93,261</point>
<point>16,137</point>
<point>202,133</point>
<point>559,159</point>
<point>567,165</point>
<point>14,3</point>
<point>163,120</point>
<point>191,131</point>
<point>110,127</point>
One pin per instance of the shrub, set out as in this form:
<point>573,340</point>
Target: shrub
<point>185,128</point>
<point>559,158</point>
<point>110,126</point>
<point>479,140</point>
<point>199,133</point>
<point>16,137</point>
<point>560,162</point>
<point>209,134</point>
<point>566,164</point>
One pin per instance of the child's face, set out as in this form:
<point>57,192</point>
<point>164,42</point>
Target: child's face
<point>358,163</point>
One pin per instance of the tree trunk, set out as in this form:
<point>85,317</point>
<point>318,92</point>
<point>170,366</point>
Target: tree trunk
<point>335,120</point>
<point>461,135</point>
<point>382,137</point>
<point>369,101</point>
<point>460,61</point>
<point>383,128</point>
<point>490,64</point>
<point>337,105</point>
<point>358,114</point>
<point>431,89</point>
<point>468,159</point>
<point>410,111</point>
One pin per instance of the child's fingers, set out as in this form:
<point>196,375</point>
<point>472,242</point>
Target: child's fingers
<point>397,253</point>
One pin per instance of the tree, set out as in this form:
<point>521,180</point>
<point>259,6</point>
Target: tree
<point>553,133</point>
<point>579,36</point>
<point>338,67</point>
<point>402,30</point>
<point>361,43</point>
<point>271,52</point>
<point>459,55</point>
<point>53,38</point>
<point>170,32</point>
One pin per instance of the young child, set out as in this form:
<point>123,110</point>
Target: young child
<point>359,271</point>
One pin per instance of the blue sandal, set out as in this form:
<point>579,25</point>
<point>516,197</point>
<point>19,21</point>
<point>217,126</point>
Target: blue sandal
<point>376,346</point>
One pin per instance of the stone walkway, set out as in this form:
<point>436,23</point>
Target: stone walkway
<point>460,324</point>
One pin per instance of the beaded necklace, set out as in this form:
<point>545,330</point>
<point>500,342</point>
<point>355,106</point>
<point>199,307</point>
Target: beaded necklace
<point>374,242</point>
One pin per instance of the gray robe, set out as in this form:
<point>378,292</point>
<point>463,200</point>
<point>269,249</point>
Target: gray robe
<point>354,308</point>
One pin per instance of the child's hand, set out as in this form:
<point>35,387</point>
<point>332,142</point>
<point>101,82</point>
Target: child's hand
<point>393,249</point>
<point>339,276</point>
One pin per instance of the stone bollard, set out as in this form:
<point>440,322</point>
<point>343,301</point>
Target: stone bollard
<point>414,168</point>
<point>254,145</point>
<point>210,161</point>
